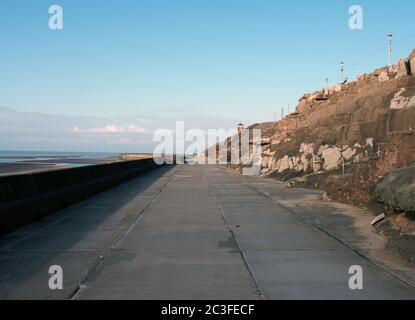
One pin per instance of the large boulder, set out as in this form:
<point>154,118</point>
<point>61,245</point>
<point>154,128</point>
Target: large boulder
<point>285,164</point>
<point>348,154</point>
<point>397,189</point>
<point>404,68</point>
<point>332,158</point>
<point>322,149</point>
<point>305,162</point>
<point>265,161</point>
<point>383,76</point>
<point>307,149</point>
<point>412,61</point>
<point>317,164</point>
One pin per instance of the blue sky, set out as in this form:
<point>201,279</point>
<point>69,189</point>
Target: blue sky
<point>217,61</point>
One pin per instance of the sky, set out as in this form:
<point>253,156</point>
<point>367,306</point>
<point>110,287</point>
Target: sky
<point>121,69</point>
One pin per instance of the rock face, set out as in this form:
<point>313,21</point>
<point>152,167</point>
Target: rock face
<point>400,101</point>
<point>397,189</point>
<point>344,124</point>
<point>364,128</point>
<point>348,134</point>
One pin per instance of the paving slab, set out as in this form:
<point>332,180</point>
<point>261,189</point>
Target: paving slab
<point>25,274</point>
<point>172,275</point>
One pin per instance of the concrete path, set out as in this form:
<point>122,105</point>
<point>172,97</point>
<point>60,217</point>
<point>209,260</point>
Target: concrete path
<point>187,232</point>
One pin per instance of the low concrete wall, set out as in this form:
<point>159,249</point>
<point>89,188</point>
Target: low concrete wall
<point>26,198</point>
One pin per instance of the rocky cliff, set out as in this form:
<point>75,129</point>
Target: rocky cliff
<point>346,138</point>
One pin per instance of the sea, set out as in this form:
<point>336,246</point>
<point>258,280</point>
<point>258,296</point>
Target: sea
<point>12,162</point>
<point>42,154</point>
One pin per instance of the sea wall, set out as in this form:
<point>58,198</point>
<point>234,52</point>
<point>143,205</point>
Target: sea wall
<point>26,198</point>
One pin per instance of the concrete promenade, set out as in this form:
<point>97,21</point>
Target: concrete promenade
<point>187,232</point>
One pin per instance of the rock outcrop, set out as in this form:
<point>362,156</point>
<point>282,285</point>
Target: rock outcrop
<point>343,138</point>
<point>397,190</point>
<point>352,132</point>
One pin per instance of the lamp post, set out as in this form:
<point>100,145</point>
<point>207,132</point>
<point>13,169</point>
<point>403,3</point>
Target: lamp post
<point>390,37</point>
<point>342,72</point>
<point>240,129</point>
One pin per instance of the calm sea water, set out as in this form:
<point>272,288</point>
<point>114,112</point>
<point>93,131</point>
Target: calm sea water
<point>53,154</point>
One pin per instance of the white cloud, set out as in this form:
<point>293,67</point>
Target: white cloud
<point>127,133</point>
<point>39,131</point>
<point>112,129</point>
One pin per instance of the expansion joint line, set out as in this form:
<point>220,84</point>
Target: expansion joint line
<point>251,275</point>
<point>360,254</point>
<point>127,229</point>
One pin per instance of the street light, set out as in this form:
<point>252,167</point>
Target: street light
<point>342,72</point>
<point>390,37</point>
